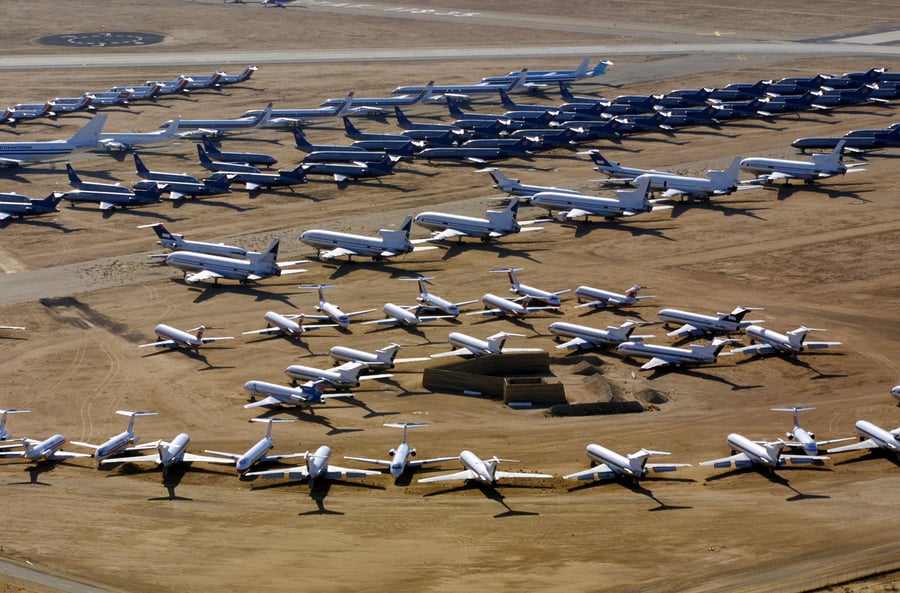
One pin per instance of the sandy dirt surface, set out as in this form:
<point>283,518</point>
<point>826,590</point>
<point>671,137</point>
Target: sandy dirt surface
<point>824,256</point>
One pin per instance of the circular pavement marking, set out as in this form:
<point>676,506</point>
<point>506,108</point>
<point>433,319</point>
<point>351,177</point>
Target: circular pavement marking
<point>104,39</point>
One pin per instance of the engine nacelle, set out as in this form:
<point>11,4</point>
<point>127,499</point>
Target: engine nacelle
<point>562,216</point>
<point>412,452</point>
<point>812,435</point>
<point>391,451</point>
<point>789,436</point>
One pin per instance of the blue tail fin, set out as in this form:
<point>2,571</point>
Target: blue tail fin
<point>453,108</point>
<point>139,165</point>
<point>74,179</point>
<point>402,120</point>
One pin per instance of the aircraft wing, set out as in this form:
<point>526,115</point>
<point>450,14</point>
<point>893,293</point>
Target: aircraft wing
<point>292,271</point>
<point>268,401</point>
<point>233,456</point>
<point>338,252</point>
<point>381,376</point>
<point>68,455</point>
<point>162,344</point>
<point>527,475</point>
<point>685,331</point>
<point>363,312</point>
<point>574,344</point>
<point>457,352</point>
<point>250,185</point>
<point>203,275</point>
<point>107,205</point>
<point>335,472</point>
<point>268,331</point>
<point>425,318</point>
<point>382,462</point>
<point>7,162</point>
<point>660,468</point>
<point>599,472</point>
<point>754,349</point>
<point>819,345</point>
<point>206,458</point>
<point>866,444</point>
<point>212,340</point>
<point>269,458</point>
<point>513,350</point>
<point>737,461</point>
<point>448,234</point>
<point>774,176</point>
<point>299,472</point>
<point>487,312</point>
<point>5,215</point>
<point>465,474</point>
<point>800,459</point>
<point>674,193</point>
<point>422,462</point>
<point>655,362</point>
<point>154,458</point>
<point>576,213</point>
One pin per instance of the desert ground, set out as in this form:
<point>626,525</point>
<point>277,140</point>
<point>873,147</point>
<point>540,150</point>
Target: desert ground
<point>81,281</point>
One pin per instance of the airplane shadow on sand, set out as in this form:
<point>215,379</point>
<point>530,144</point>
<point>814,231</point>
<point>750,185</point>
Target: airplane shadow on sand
<point>503,250</point>
<point>301,414</point>
<point>492,493</point>
<point>659,372</point>
<point>796,361</point>
<point>194,354</point>
<point>680,208</point>
<point>786,190</point>
<point>582,228</point>
<point>343,268</point>
<point>638,488</point>
<point>773,477</point>
<point>209,291</point>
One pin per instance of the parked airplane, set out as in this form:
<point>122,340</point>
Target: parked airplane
<point>142,92</point>
<point>141,196</point>
<point>402,455</point>
<point>175,241</point>
<point>217,183</point>
<point>4,434</point>
<point>715,184</point>
<point>344,375</point>
<point>772,342</point>
<point>223,166</point>
<point>768,455</point>
<point>597,298</point>
<point>316,468</point>
<point>50,449</point>
<point>248,158</point>
<point>873,437</point>
<point>332,311</point>
<point>342,171</point>
<point>496,224</point>
<point>76,182</point>
<point>383,358</point>
<point>26,111</point>
<point>573,205</point>
<point>470,346</point>
<point>277,324</point>
<point>257,454</point>
<point>378,105</point>
<point>273,394</point>
<point>483,470</point>
<point>16,153</point>
<point>530,292</point>
<point>584,337</point>
<point>217,127</point>
<point>439,92</point>
<point>408,125</point>
<point>895,391</point>
<point>405,316</point>
<point>666,355</point>
<point>20,206</point>
<point>822,166</point>
<point>226,79</point>
<point>542,78</point>
<point>333,244</point>
<point>176,338</point>
<point>71,104</point>
<point>257,266</point>
<point>606,464</point>
<point>859,143</point>
<point>120,442</point>
<point>160,177</point>
<point>695,324</point>
<point>613,169</point>
<point>800,437</point>
<point>294,117</point>
<point>168,454</point>
<point>501,307</point>
<point>514,188</point>
<point>428,300</point>
<point>359,157</point>
<point>129,140</point>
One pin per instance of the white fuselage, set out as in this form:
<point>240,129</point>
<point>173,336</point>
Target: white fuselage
<point>290,395</point>
<point>359,244</point>
<point>756,452</point>
<point>807,442</point>
<point>694,186</point>
<point>476,346</point>
<point>305,373</point>
<point>400,459</point>
<point>799,169</point>
<point>180,337</point>
<point>129,139</point>
<point>253,455</point>
<point>674,355</point>
<point>436,302</point>
<point>702,322</point>
<point>115,444</point>
<point>472,226</point>
<point>483,470</point>
<point>228,267</point>
<point>317,462</point>
<point>286,325</point>
<point>505,306</point>
<point>607,207</point>
<point>586,293</point>
<point>174,451</point>
<point>537,294</point>
<point>334,313</point>
<point>588,334</point>
<point>883,438</point>
<point>45,449</point>
<point>371,360</point>
<point>221,249</point>
<point>774,339</point>
<point>615,461</point>
<point>166,177</point>
<point>403,316</point>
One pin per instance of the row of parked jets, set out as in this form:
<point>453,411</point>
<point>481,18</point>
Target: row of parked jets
<point>605,462</point>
